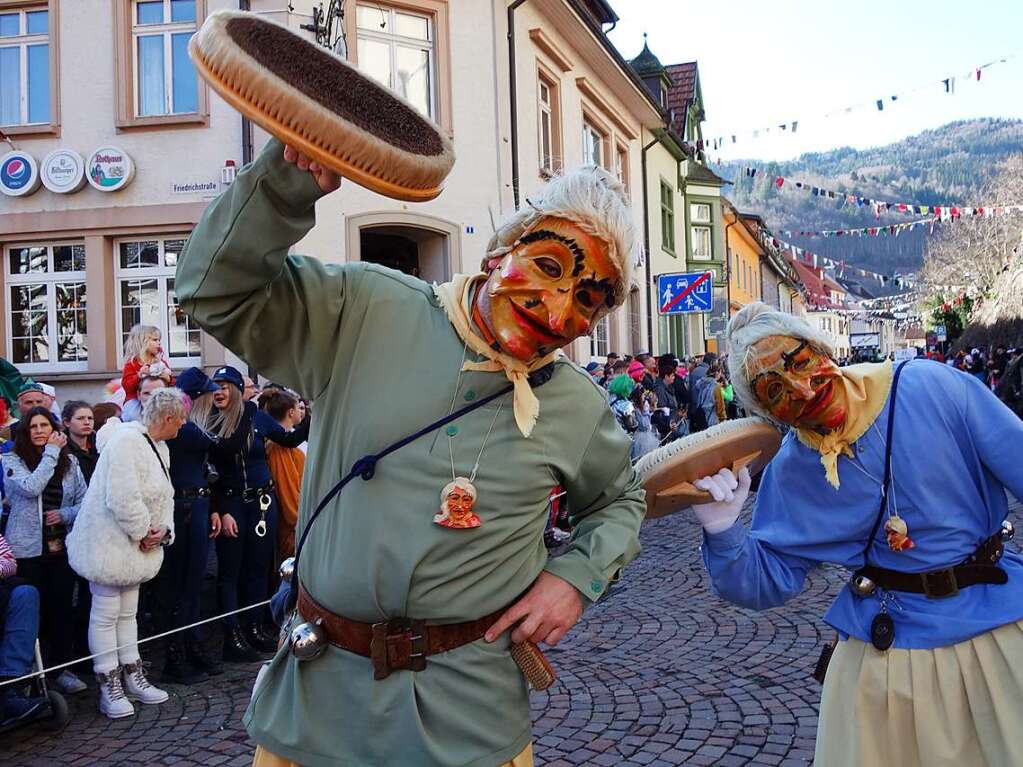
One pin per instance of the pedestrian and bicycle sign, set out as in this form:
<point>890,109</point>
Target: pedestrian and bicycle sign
<point>685,293</point>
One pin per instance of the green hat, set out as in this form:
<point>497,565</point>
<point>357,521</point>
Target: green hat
<point>622,386</point>
<point>30,386</point>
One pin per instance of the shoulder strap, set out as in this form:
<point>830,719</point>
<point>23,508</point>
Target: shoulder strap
<point>157,454</point>
<point>887,462</point>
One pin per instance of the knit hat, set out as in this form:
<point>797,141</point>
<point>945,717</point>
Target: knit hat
<point>636,371</point>
<point>30,386</point>
<point>622,386</point>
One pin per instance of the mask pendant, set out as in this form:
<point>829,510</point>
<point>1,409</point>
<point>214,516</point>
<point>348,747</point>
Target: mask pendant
<point>898,534</point>
<point>456,506</point>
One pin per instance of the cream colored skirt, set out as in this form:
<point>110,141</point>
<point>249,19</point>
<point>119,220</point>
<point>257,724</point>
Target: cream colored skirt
<point>956,706</point>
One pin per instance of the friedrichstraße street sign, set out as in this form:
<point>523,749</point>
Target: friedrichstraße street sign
<point>685,293</point>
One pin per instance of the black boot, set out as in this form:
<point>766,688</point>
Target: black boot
<point>177,667</point>
<point>258,640</point>
<point>198,658</point>
<point>236,649</point>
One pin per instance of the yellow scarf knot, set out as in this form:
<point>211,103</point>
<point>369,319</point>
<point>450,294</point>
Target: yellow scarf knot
<point>866,388</point>
<point>455,297</point>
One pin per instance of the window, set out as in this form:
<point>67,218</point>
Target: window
<point>165,80</point>
<point>700,212</point>
<point>667,218</point>
<point>593,145</point>
<point>622,164</point>
<point>600,340</point>
<point>25,67</point>
<point>701,243</point>
<point>144,275</point>
<point>46,306</point>
<point>549,111</point>
<point>396,48</point>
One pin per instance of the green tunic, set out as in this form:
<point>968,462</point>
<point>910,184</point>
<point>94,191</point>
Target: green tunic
<point>376,353</point>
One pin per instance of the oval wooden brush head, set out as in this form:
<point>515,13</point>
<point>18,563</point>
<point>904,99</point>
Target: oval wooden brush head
<point>322,106</point>
<point>668,473</point>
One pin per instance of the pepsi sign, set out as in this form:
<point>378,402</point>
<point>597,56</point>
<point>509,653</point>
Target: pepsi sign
<point>19,174</point>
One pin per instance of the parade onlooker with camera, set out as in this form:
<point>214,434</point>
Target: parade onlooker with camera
<point>116,543</point>
<point>45,488</point>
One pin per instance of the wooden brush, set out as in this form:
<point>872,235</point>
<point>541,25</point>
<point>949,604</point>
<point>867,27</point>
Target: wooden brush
<point>668,473</point>
<point>325,108</point>
<point>534,665</point>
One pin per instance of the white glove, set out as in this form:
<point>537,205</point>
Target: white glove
<point>729,493</point>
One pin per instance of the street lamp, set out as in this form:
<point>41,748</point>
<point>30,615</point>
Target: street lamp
<point>329,27</point>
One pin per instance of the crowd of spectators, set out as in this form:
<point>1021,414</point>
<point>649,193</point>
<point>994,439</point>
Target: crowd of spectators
<point>110,513</point>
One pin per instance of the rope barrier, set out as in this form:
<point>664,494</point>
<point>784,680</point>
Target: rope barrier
<point>34,674</point>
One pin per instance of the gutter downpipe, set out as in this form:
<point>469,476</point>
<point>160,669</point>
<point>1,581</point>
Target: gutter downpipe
<point>646,246</point>
<point>728,266</point>
<point>247,136</point>
<point>513,101</point>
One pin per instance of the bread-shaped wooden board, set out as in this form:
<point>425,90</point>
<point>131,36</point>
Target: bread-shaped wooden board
<point>321,105</point>
<point>668,473</point>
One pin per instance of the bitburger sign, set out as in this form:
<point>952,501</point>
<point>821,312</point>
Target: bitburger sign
<point>63,171</point>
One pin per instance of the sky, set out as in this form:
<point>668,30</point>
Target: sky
<point>763,63</point>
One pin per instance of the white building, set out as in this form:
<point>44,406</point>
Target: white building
<point>82,266</point>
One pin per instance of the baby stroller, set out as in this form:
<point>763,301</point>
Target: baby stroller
<point>54,715</point>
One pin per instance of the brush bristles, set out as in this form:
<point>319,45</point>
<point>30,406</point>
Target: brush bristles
<point>656,457</point>
<point>281,103</point>
<point>534,666</point>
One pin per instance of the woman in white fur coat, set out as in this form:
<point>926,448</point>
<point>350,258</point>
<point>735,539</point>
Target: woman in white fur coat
<point>125,518</point>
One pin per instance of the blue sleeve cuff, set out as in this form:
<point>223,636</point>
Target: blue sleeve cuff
<point>727,540</point>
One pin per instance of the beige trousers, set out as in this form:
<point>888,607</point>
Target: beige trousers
<point>946,707</point>
<point>265,759</point>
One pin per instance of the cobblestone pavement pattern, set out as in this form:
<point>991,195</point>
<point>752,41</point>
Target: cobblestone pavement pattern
<point>659,673</point>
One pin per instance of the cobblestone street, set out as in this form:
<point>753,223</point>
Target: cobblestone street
<point>660,673</point>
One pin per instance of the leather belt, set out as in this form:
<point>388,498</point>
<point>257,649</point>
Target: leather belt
<point>980,568</point>
<point>248,494</point>
<point>395,644</point>
<point>191,493</point>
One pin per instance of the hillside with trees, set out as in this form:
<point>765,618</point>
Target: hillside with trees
<point>951,165</point>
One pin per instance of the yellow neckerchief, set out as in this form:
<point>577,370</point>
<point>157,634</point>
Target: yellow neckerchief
<point>866,390</point>
<point>455,297</point>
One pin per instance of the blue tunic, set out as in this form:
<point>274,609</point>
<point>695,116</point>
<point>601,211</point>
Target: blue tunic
<point>957,448</point>
<point>188,457</point>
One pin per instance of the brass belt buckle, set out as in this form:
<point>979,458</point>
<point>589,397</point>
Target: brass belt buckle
<point>940,584</point>
<point>387,635</point>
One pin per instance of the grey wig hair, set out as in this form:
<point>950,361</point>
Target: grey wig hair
<point>754,323</point>
<point>592,199</point>
<point>163,403</point>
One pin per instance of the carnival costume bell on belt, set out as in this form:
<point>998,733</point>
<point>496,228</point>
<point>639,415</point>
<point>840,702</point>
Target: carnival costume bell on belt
<point>899,475</point>
<point>421,569</point>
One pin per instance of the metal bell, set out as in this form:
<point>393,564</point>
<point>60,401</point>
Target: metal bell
<point>308,640</point>
<point>287,569</point>
<point>862,586</point>
<point>1008,530</point>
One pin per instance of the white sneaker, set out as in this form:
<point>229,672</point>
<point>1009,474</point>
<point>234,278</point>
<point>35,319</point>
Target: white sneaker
<point>68,683</point>
<point>112,700</point>
<point>137,687</point>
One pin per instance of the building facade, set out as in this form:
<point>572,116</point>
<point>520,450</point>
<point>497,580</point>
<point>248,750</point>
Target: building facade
<point>104,99</point>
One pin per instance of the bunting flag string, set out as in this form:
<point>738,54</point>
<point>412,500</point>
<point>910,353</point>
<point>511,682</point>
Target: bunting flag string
<point>945,85</point>
<point>877,206</point>
<point>941,214</point>
<point>810,258</point>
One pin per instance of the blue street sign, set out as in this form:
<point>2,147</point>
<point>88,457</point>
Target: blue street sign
<point>685,293</point>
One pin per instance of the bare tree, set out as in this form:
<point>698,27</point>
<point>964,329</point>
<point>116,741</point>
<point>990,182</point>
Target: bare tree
<point>970,254</point>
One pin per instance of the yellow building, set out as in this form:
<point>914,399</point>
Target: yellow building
<point>743,256</point>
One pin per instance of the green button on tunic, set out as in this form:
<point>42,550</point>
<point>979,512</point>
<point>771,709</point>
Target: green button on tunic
<point>333,332</point>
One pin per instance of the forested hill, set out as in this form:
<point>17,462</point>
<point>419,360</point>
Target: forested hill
<point>947,166</point>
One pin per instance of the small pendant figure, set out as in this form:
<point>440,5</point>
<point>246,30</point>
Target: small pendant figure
<point>898,534</point>
<point>456,504</point>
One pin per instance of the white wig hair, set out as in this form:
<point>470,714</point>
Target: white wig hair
<point>461,482</point>
<point>162,403</point>
<point>592,199</point>
<point>754,323</point>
